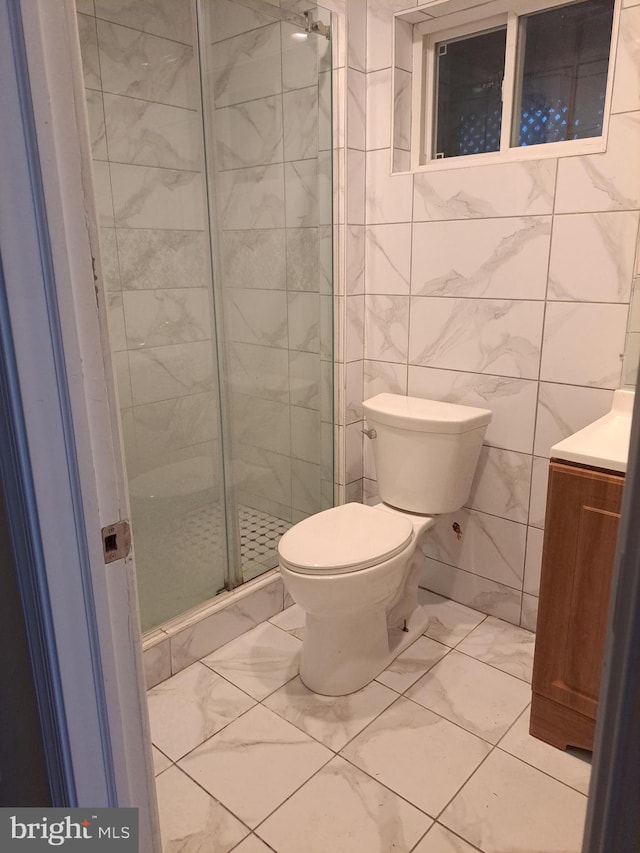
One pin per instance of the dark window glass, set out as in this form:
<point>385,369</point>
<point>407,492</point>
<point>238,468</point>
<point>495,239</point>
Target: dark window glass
<point>564,73</point>
<point>469,89</point>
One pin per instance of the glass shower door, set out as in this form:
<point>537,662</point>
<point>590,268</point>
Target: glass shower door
<point>267,110</point>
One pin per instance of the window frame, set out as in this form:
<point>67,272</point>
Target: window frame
<point>476,20</point>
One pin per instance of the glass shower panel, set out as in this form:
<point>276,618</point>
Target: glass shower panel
<point>144,102</point>
<point>267,95</point>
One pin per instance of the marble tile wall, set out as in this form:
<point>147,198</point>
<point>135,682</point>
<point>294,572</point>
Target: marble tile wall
<point>503,286</point>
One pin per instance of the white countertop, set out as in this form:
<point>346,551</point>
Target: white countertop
<point>605,442</point>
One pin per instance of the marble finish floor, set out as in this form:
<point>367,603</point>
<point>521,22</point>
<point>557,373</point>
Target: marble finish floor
<point>434,756</point>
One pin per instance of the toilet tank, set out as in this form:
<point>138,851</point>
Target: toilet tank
<point>425,451</point>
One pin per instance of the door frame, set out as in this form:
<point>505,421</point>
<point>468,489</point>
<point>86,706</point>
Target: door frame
<point>65,456</point>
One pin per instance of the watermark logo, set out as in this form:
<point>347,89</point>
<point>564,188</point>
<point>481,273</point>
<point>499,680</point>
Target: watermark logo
<point>29,830</point>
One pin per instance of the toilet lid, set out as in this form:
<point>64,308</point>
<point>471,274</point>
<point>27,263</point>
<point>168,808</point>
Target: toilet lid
<point>344,539</point>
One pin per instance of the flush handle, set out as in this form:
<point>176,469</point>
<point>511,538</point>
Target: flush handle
<point>370,433</point>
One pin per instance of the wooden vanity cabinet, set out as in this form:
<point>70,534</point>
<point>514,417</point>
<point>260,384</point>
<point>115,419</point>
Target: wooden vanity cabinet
<point>583,511</point>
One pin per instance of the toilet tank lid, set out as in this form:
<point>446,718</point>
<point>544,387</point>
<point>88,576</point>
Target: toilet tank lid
<point>424,415</point>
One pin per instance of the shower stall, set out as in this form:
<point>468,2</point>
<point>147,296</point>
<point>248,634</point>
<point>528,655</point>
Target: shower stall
<point>211,138</point>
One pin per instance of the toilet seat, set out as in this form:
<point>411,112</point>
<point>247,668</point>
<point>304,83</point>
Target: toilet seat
<point>344,539</point>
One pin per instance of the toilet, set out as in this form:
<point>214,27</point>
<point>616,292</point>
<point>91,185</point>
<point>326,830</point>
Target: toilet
<point>354,569</point>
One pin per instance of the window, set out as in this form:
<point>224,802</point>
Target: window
<point>529,73</point>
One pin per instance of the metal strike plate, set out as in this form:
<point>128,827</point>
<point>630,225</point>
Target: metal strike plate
<point>116,541</point>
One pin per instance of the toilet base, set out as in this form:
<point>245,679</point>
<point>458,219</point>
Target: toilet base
<point>339,658</point>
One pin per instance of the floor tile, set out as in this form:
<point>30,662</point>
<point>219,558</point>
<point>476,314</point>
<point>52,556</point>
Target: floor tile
<point>342,810</point>
<point>191,706</point>
<point>449,622</point>
<point>190,818</point>
<point>252,844</point>
<point>417,754</point>
<point>333,720</point>
<point>473,695</point>
<point>292,620</point>
<point>508,806</point>
<point>441,840</point>
<point>259,661</point>
<point>502,645</point>
<point>412,663</point>
<point>160,761</point>
<point>255,763</point>
<point>568,768</point>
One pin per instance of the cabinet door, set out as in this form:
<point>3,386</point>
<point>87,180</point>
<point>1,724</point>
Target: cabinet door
<point>583,511</point>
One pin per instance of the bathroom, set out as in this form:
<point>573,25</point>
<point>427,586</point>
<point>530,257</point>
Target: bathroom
<point>378,295</point>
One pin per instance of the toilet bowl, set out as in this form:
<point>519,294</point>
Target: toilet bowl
<point>355,569</point>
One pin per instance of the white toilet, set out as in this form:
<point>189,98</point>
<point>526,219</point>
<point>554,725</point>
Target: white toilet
<point>354,569</point>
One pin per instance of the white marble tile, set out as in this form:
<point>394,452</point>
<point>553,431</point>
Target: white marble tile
<point>169,425</point>
<point>512,401</point>
<point>354,320</point>
<point>502,645</point>
<point>256,317</point>
<point>255,763</point>
<point>355,252</point>
<point>564,409</point>
<point>482,335</point>
<point>529,614</point>
<point>356,109</point>
<point>147,197</point>
<point>409,666</point>
<point>86,7</point>
<point>403,55</point>
<point>109,259</point>
<point>343,809</point>
<point>191,706</point>
<point>483,544</point>
<point>305,434</point>
<point>160,761</point>
<point>249,134</point>
<point>261,423</point>
<point>533,561</point>
<point>247,66</point>
<point>229,19</point>
<point>357,33</point>
<point>190,818</point>
<point>510,189</point>
<point>626,85</point>
<point>404,744</point>
<point>252,197</point>
<point>502,258</point>
<point>384,376</point>
<point>354,392</point>
<point>160,18</point>
<point>388,197</point>
<point>380,34</point>
<point>388,258</point>
<point>471,694</point>
<point>472,590</point>
<point>449,622</point>
<point>192,642</point>
<point>572,769</point>
<point>259,662</point>
<point>115,315</point>
<point>508,805</point>
<point>304,379</point>
<point>538,502</point>
<point>148,134</point>
<point>402,113</point>
<point>252,844</point>
<point>441,840</point>
<point>631,359</point>
<point>502,483</point>
<point>378,96</point>
<point>568,354</point>
<point>302,193</point>
<point>156,660</point>
<point>160,317</point>
<point>265,477</point>
<point>303,259</point>
<point>303,320</point>
<point>254,259</point>
<point>608,181</point>
<point>89,51</point>
<point>592,256</point>
<point>158,373</point>
<point>95,111</point>
<point>386,330</point>
<point>123,379</point>
<point>306,487</point>
<point>144,66</point>
<point>299,60</point>
<point>301,123</point>
<point>162,259</point>
<point>355,187</point>
<point>291,620</point>
<point>258,371</point>
<point>101,172</point>
<point>332,720</point>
